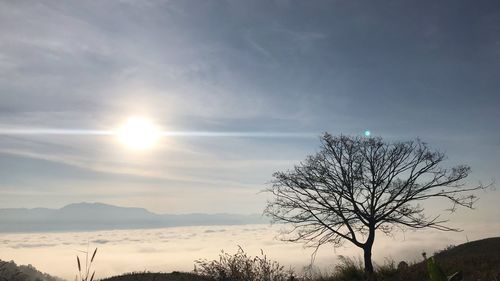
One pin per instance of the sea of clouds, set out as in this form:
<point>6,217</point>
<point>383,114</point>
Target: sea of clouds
<point>176,248</point>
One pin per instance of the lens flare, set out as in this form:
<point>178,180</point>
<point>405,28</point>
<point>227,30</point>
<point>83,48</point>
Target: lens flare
<point>138,133</point>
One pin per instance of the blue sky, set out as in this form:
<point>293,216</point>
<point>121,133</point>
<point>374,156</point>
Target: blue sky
<point>400,69</point>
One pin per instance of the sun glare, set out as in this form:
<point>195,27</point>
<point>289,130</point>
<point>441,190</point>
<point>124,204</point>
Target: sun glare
<point>138,133</point>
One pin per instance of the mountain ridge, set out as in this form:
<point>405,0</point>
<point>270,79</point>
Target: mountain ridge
<point>83,203</point>
<point>86,216</point>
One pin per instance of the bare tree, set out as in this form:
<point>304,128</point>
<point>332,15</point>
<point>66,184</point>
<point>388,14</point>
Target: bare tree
<point>355,186</point>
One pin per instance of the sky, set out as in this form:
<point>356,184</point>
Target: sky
<point>284,71</point>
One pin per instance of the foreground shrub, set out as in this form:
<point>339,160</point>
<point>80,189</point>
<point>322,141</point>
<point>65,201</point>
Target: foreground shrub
<point>437,274</point>
<point>241,267</point>
<point>349,269</point>
<point>389,271</point>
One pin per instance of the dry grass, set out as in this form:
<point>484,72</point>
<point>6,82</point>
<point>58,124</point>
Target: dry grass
<point>84,273</point>
<point>149,276</point>
<point>241,267</point>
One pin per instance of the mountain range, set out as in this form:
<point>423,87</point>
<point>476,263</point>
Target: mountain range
<point>99,216</point>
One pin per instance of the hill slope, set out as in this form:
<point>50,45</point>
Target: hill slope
<point>478,260</point>
<point>13,272</point>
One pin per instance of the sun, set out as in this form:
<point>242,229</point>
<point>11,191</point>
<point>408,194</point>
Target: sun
<point>138,133</point>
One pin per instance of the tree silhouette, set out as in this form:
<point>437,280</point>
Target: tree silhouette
<point>355,186</point>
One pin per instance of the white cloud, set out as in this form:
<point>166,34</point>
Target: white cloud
<point>171,249</point>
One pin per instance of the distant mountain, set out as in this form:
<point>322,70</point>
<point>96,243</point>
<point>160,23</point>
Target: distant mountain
<point>98,216</point>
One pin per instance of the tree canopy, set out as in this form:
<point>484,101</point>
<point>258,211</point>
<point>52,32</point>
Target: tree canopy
<point>356,185</point>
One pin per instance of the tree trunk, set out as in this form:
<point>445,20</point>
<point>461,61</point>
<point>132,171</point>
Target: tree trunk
<point>367,249</point>
<point>368,263</point>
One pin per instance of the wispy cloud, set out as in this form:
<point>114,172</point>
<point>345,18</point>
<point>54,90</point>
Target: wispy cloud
<point>236,67</point>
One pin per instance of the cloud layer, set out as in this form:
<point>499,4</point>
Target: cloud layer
<point>176,248</point>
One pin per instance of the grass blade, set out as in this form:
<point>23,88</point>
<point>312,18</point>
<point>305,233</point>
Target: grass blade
<point>93,255</point>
